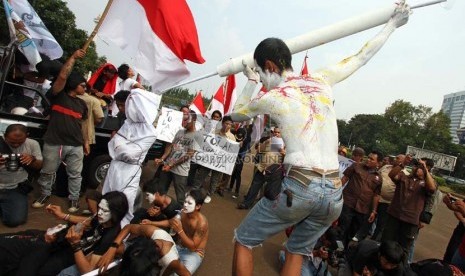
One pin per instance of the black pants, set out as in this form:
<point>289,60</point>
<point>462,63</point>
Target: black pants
<point>381,221</point>
<point>236,177</point>
<point>23,254</point>
<point>353,224</point>
<point>454,242</point>
<point>400,231</point>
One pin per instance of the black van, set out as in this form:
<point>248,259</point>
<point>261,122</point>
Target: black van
<point>95,165</point>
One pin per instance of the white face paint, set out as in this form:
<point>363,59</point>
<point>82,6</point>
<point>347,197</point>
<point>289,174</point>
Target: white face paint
<point>268,79</point>
<point>150,197</point>
<point>189,205</point>
<point>104,213</point>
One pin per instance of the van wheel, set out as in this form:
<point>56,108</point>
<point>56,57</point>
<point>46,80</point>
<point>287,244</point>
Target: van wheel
<point>98,169</point>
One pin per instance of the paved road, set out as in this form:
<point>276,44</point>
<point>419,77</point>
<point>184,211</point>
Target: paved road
<point>224,217</point>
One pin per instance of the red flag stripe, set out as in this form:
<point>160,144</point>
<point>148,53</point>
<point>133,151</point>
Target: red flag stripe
<point>173,23</point>
<point>230,86</point>
<point>304,70</point>
<point>198,102</point>
<point>66,111</point>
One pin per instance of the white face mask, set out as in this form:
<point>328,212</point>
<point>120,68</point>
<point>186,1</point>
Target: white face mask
<point>104,213</point>
<point>189,205</point>
<point>268,79</point>
<point>150,197</point>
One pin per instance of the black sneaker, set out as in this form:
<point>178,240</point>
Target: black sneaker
<point>40,202</point>
<point>73,206</point>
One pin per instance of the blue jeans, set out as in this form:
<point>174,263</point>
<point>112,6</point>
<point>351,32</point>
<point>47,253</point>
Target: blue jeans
<point>70,271</point>
<point>308,268</point>
<point>191,260</point>
<point>13,207</point>
<point>72,157</point>
<point>314,208</point>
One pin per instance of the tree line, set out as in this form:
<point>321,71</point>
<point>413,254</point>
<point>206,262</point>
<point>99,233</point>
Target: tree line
<point>402,125</point>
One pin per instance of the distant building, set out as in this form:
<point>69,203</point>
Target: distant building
<point>453,106</point>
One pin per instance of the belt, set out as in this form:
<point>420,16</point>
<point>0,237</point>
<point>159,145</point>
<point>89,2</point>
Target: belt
<point>303,176</point>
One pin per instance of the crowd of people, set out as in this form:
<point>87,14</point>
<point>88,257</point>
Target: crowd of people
<point>363,223</point>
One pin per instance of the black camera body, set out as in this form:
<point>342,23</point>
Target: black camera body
<point>415,162</point>
<point>12,163</point>
<point>336,254</point>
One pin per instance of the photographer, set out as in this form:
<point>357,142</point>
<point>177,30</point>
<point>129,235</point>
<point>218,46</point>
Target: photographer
<point>408,202</point>
<point>18,153</point>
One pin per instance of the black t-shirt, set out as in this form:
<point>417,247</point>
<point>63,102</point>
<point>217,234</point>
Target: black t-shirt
<point>99,84</point>
<point>171,210</point>
<point>367,254</point>
<point>98,239</point>
<point>66,116</point>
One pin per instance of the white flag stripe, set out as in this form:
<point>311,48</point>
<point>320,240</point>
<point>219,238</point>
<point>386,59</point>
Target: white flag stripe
<point>44,40</point>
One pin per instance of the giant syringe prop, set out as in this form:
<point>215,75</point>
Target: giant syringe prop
<point>316,38</point>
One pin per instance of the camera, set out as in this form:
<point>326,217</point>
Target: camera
<point>336,254</point>
<point>414,162</point>
<point>12,163</point>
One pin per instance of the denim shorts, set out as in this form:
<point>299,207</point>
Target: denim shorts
<point>314,208</point>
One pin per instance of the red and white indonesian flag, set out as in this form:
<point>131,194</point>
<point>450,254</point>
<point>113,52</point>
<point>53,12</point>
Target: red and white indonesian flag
<point>158,35</point>
<point>230,96</point>
<point>217,102</point>
<point>197,104</point>
<point>44,40</point>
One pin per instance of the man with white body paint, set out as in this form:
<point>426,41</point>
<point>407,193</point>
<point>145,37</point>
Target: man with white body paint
<point>192,231</point>
<point>311,140</point>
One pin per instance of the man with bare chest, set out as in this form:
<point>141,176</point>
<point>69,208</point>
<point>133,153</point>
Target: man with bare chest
<point>192,231</point>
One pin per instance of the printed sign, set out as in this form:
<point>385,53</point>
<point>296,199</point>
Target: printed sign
<point>344,163</point>
<point>441,161</point>
<point>211,126</point>
<point>169,122</point>
<point>217,153</point>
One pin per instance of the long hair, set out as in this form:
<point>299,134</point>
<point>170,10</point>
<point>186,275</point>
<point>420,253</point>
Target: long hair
<point>118,205</point>
<point>141,259</point>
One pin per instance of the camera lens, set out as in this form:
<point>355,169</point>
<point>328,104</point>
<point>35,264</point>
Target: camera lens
<point>12,162</point>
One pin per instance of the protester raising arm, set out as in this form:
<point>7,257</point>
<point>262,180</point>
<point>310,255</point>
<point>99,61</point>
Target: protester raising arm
<point>340,71</point>
<point>65,71</point>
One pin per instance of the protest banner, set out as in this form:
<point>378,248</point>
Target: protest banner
<point>344,163</point>
<point>217,153</point>
<point>210,126</point>
<point>169,123</point>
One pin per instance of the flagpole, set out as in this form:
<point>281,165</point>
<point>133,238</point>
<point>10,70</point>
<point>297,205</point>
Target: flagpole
<point>192,80</point>
<point>324,35</point>
<point>99,23</point>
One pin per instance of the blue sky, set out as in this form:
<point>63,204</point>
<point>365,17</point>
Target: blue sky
<point>420,63</point>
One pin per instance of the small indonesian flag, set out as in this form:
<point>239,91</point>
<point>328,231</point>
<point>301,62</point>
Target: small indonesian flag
<point>197,104</point>
<point>230,95</point>
<point>217,102</point>
<point>304,71</point>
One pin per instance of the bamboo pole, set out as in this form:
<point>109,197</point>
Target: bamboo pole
<point>97,27</point>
